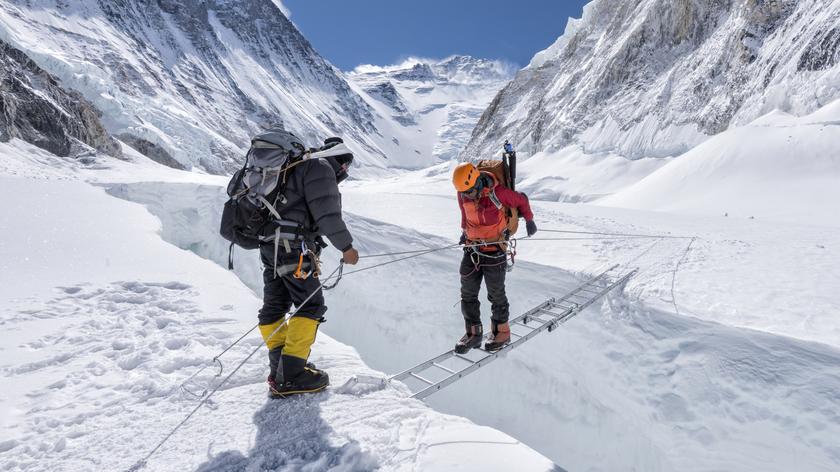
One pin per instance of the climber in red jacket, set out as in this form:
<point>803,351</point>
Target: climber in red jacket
<point>484,221</point>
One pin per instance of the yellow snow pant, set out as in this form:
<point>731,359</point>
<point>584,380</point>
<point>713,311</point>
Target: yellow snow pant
<point>295,337</point>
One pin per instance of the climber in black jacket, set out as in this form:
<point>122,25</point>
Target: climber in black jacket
<point>313,203</point>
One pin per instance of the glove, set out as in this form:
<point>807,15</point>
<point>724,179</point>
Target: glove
<point>351,256</point>
<point>531,227</point>
<point>463,239</point>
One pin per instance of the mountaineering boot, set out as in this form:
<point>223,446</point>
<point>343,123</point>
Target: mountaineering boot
<point>499,337</point>
<point>296,376</point>
<point>470,340</point>
<point>274,357</point>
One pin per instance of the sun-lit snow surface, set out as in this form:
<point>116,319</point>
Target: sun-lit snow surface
<point>102,320</point>
<point>631,386</point>
<point>200,78</point>
<point>779,167</point>
<point>626,385</point>
<point>440,101</point>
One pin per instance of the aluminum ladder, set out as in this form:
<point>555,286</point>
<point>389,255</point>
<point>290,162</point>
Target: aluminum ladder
<point>437,373</point>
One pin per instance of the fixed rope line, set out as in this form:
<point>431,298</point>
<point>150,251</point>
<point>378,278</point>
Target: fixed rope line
<point>418,254</point>
<point>402,253</point>
<point>600,238</point>
<point>338,273</point>
<point>411,255</point>
<point>674,274</point>
<point>142,462</point>
<point>664,236</point>
<point>215,360</point>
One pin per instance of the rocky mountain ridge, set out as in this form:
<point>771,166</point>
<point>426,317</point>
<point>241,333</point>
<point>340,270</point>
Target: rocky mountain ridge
<point>35,108</point>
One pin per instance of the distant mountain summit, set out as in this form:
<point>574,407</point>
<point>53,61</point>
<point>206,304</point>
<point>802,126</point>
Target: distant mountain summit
<point>441,100</point>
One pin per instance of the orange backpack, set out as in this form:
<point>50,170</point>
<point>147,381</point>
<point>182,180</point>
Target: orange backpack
<point>501,172</point>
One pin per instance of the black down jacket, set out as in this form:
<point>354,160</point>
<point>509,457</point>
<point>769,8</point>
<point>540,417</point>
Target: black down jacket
<point>313,200</point>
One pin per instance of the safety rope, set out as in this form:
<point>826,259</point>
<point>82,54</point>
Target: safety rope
<point>142,462</point>
<point>674,274</point>
<point>627,235</point>
<point>421,252</point>
<point>215,360</point>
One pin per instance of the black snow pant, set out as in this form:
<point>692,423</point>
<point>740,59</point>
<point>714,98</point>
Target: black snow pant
<point>491,267</point>
<point>289,344</point>
<point>280,292</point>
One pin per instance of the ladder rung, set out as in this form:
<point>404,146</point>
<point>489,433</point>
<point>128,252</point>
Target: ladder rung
<point>519,323</point>
<point>420,378</point>
<point>594,290</point>
<point>465,358</point>
<point>443,367</point>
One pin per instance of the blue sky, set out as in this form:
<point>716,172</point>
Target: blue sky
<point>381,32</point>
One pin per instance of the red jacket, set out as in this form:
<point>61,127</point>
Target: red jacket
<point>482,221</point>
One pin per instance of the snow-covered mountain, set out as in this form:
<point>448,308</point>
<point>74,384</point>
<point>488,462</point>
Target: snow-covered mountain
<point>193,80</point>
<point>654,78</point>
<point>636,85</point>
<point>440,102</point>
<point>35,108</point>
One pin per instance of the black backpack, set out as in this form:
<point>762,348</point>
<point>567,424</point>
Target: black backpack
<point>256,190</point>
<point>253,213</point>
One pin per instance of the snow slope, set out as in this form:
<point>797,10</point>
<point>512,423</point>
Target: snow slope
<point>633,385</point>
<point>778,167</point>
<point>669,392</point>
<point>103,320</point>
<point>626,385</point>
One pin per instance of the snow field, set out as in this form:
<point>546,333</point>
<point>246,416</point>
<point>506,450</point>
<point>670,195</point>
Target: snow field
<point>104,321</point>
<point>623,385</point>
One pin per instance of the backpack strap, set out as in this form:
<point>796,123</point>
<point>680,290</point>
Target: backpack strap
<point>495,199</point>
<point>269,206</point>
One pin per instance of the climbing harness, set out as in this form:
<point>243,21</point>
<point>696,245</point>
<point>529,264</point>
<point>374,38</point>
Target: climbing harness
<point>314,263</point>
